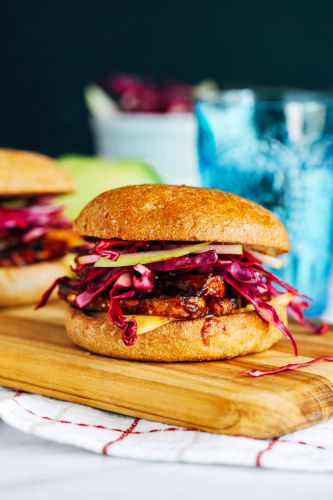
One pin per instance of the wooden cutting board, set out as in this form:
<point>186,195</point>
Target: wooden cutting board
<point>37,356</point>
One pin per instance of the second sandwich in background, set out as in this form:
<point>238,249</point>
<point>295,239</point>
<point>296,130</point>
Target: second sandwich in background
<point>34,233</point>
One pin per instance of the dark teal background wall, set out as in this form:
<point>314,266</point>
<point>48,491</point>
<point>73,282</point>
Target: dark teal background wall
<point>49,50</point>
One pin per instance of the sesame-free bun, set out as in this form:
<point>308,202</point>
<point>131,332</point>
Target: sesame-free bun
<point>181,213</point>
<point>230,336</point>
<point>26,284</point>
<point>23,173</point>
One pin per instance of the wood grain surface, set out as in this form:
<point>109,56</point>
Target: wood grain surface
<point>37,356</point>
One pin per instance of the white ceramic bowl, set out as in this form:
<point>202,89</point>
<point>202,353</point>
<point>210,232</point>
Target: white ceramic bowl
<point>166,141</point>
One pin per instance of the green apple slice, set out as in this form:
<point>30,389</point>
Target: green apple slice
<point>93,175</point>
<point>131,259</point>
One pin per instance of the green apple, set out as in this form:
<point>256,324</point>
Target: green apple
<point>93,175</point>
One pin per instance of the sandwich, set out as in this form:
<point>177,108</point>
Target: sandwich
<point>176,273</point>
<point>34,233</point>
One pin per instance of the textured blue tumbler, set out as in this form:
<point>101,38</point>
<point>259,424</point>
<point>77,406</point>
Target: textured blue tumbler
<point>276,147</point>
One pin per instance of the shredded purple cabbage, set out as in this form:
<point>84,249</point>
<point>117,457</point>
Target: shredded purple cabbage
<point>104,249</point>
<point>143,278</point>
<point>126,325</point>
<point>252,292</point>
<point>97,287</point>
<point>288,368</point>
<point>245,274</point>
<point>32,220</point>
<point>296,311</point>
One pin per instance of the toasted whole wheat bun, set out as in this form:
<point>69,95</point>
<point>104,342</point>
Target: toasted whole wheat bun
<point>230,336</point>
<point>181,213</point>
<point>26,284</point>
<point>23,173</point>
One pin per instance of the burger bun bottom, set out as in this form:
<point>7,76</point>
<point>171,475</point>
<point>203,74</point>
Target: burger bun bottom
<point>26,284</point>
<point>229,336</point>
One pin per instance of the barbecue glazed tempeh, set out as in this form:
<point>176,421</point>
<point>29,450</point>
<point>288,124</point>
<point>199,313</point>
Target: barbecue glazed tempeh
<point>174,307</point>
<point>188,296</point>
<point>223,306</point>
<point>191,284</point>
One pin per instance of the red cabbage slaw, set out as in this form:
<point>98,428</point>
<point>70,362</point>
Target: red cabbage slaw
<point>243,273</point>
<point>32,220</point>
<point>288,368</point>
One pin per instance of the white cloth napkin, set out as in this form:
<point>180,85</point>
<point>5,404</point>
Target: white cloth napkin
<point>115,435</point>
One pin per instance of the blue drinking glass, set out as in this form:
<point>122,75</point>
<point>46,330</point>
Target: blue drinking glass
<point>276,147</point>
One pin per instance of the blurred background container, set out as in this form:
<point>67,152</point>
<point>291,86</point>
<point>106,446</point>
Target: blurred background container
<point>165,141</point>
<point>276,148</point>
<point>149,119</point>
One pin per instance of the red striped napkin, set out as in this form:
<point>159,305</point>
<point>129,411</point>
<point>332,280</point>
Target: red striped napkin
<point>115,435</point>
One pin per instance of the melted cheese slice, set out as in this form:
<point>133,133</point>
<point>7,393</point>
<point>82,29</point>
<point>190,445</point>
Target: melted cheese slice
<point>148,323</point>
